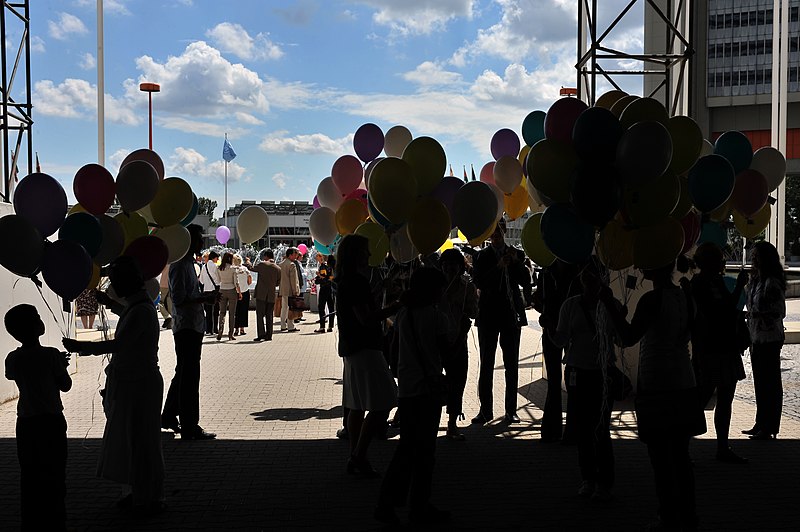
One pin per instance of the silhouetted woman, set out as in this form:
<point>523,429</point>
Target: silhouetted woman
<point>766,308</point>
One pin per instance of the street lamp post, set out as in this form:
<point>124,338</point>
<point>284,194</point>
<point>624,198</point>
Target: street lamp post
<point>150,88</point>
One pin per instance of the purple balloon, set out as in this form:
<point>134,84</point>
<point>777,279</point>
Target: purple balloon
<point>223,234</point>
<point>505,142</point>
<point>316,202</point>
<point>445,192</point>
<point>41,200</point>
<point>368,142</point>
<point>66,268</point>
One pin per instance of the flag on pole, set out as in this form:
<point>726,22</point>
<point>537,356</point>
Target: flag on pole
<point>451,171</point>
<point>227,151</point>
<point>466,180</point>
<point>38,166</point>
<point>473,171</point>
<point>15,169</point>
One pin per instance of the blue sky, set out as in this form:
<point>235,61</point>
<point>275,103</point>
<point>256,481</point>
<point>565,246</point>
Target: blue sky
<point>291,81</point>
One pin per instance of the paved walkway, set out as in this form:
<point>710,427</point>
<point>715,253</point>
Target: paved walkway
<point>277,464</point>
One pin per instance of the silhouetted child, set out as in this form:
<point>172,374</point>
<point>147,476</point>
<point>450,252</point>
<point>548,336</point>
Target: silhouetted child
<point>40,373</point>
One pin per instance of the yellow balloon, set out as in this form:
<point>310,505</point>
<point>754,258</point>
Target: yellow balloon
<point>76,208</point>
<point>608,99</point>
<point>95,280</point>
<point>654,201</point>
<point>147,214</point>
<point>350,215</point>
<point>378,242</point>
<point>523,153</point>
<point>393,189</point>
<point>551,164</point>
<point>429,225</point>
<point>516,203</point>
<point>448,244</point>
<point>657,245</point>
<point>533,243</point>
<point>173,201</point>
<point>755,225</point>
<point>484,237</point>
<point>615,246</point>
<point>133,226</point>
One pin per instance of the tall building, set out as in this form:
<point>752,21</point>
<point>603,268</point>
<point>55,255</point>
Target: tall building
<point>288,223</point>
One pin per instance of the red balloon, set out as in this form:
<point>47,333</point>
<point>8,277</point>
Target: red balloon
<point>487,173</point>
<point>750,192</point>
<point>561,118</point>
<point>94,188</point>
<point>151,253</point>
<point>347,173</point>
<point>148,156</point>
<point>692,225</point>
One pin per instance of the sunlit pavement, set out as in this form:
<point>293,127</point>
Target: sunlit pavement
<point>277,463</point>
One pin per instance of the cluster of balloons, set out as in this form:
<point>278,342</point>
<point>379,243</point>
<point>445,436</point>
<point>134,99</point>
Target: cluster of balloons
<point>628,181</point>
<point>151,227</point>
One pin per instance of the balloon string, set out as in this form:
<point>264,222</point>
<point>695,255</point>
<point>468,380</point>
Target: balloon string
<point>59,323</point>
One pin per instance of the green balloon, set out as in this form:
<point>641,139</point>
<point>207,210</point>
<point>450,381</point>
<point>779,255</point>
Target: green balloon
<point>533,243</point>
<point>533,127</point>
<point>551,164</point>
<point>428,163</point>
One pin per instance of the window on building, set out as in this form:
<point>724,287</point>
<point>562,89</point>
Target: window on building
<point>737,20</point>
<point>760,17</point>
<point>727,50</point>
<point>793,43</point>
<point>793,75</point>
<point>743,49</point>
<point>728,20</point>
<point>712,22</point>
<point>745,19</point>
<point>794,14</point>
<point>768,17</point>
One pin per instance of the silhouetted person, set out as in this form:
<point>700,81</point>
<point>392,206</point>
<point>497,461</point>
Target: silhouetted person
<point>269,277</point>
<point>716,354</point>
<point>766,308</point>
<point>424,334</point>
<point>209,281</point>
<point>40,374</point>
<point>498,272</point>
<point>325,300</point>
<point>667,408</point>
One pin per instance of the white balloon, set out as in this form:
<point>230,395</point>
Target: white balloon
<point>507,173</point>
<point>252,224</point>
<point>328,194</point>
<point>401,247</point>
<point>177,239</point>
<point>396,140</point>
<point>322,224</point>
<point>772,165</point>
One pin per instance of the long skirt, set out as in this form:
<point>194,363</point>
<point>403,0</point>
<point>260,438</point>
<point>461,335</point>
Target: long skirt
<point>242,310</point>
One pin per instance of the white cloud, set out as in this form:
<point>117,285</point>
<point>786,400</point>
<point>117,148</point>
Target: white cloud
<point>414,17</point>
<point>280,180</point>
<point>66,26</point>
<point>198,127</point>
<point>87,61</point>
<point>234,39</point>
<point>316,143</point>
<point>75,98</point>
<point>116,7</point>
<point>299,14</point>
<point>429,74</point>
<point>114,161</point>
<point>188,163</point>
<point>247,118</point>
<point>37,44</point>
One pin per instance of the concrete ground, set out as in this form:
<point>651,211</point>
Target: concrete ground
<point>277,465</point>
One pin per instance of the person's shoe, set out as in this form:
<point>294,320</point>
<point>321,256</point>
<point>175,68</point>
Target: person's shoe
<point>361,466</point>
<point>752,432</point>
<point>586,489</point>
<point>511,418</point>
<point>297,320</point>
<point>257,339</point>
<point>430,515</point>
<point>219,337</point>
<point>342,434</point>
<point>283,329</point>
<point>763,435</point>
<point>231,337</point>
<point>728,456</point>
<point>386,515</point>
<point>170,424</point>
<point>167,324</point>
<point>481,419</point>
<point>602,494</point>
<point>198,434</point>
<point>293,330</point>
<point>319,330</point>
<point>330,329</point>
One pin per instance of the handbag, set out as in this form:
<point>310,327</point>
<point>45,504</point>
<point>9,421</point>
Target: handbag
<point>435,386</point>
<point>298,303</point>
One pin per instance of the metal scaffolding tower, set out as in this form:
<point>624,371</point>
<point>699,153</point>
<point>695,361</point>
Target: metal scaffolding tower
<point>15,108</point>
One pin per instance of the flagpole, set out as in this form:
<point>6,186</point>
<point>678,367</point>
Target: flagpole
<point>225,212</point>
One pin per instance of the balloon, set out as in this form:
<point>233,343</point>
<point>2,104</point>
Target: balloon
<point>516,203</point>
<point>377,217</point>
<point>480,239</point>
<point>446,191</point>
<point>66,268</point>
<point>223,234</point>
<point>533,243</point>
<point>684,200</point>
<point>523,159</point>
<point>736,147</point>
<point>608,99</point>
<point>368,170</point>
<point>644,153</point>
<point>113,240</point>
<point>561,118</point>
<point>84,229</point>
<point>533,127</point>
<point>173,202</point>
<point>359,194</point>
<point>565,234</point>
<point>713,232</point>
<point>396,140</point>
<point>721,213</point>
<point>322,224</point>
<point>644,110</point>
<point>551,165</point>
<point>755,225</point>
<point>595,194</point>
<point>772,165</point>
<point>706,149</point>
<point>315,204</point>
<point>507,173</point>
<point>325,250</point>
<point>94,188</point>
<point>350,215</point>
<point>711,182</point>
<point>148,156</point>
<point>504,142</point>
<point>692,225</point>
<point>687,143</point>
<point>596,134</point>
<point>428,163</point>
<point>94,280</point>
<point>501,202</point>
<point>619,106</point>
<point>193,212</point>
<point>151,253</point>
<point>487,173</point>
<point>378,242</point>
<point>177,239</point>
<point>346,174</point>
<point>24,257</point>
<point>657,245</point>
<point>393,189</point>
<point>475,209</point>
<point>402,248</point>
<point>76,208</point>
<point>41,200</point>
<point>750,192</point>
<point>133,226</point>
<point>429,225</point>
<point>252,224</point>
<point>533,200</point>
<point>368,142</point>
<point>615,246</point>
<point>654,201</point>
<point>302,248</point>
<point>329,194</point>
<point>137,185</point>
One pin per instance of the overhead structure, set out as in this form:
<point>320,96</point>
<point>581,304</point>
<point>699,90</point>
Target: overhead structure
<point>15,92</point>
<point>664,62</point>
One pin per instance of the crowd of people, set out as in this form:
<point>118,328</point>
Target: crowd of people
<point>403,342</point>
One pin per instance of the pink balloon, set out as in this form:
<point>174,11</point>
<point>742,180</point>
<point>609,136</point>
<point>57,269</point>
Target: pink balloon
<point>316,202</point>
<point>359,194</point>
<point>561,118</point>
<point>222,234</point>
<point>505,142</point>
<point>302,248</point>
<point>487,173</point>
<point>750,192</point>
<point>152,254</point>
<point>347,173</point>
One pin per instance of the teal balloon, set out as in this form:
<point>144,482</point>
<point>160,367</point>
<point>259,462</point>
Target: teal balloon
<point>713,232</point>
<point>192,213</point>
<point>84,229</point>
<point>711,182</point>
<point>322,248</point>
<point>730,284</point>
<point>533,127</point>
<point>566,234</point>
<point>736,148</point>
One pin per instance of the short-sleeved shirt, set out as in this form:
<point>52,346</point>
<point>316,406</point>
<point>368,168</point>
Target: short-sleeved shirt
<point>353,335</point>
<point>577,335</point>
<point>183,285</point>
<point>39,373</point>
<point>421,336</point>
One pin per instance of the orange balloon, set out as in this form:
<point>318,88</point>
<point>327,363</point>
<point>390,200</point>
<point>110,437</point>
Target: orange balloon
<point>516,203</point>
<point>350,215</point>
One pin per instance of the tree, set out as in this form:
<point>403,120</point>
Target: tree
<point>207,206</point>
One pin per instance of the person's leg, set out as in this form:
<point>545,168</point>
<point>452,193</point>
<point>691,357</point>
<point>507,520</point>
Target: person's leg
<point>425,427</point>
<point>457,369</point>
<point>172,405</point>
<point>85,321</point>
<point>551,417</point>
<point>684,496</point>
<point>208,310</point>
<point>487,341</point>
<point>374,421</point>
<point>215,314</point>
<point>509,343</point>
<point>355,422</point>
<point>91,321</point>
<point>285,321</point>
<point>722,413</point>
<point>331,311</point>
<point>233,300</point>
<point>162,305</point>
<point>660,458</point>
<point>268,316</point>
<point>57,474</point>
<point>760,365</point>
<point>190,343</point>
<point>395,485</point>
<point>322,301</point>
<point>773,387</point>
<point>27,442</point>
<point>261,308</point>
<point>579,390</point>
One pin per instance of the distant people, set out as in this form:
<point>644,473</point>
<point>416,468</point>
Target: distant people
<point>766,309</point>
<point>182,408</point>
<point>324,280</point>
<point>229,295</point>
<point>368,383</point>
<point>297,315</point>
<point>40,374</point>
<point>209,280</point>
<point>290,286</point>
<point>667,409</point>
<point>131,452</point>
<point>586,375</point>
<point>498,272</point>
<point>424,339</point>
<point>269,278</point>
<point>460,302</point>
<point>244,280</point>
<point>165,303</point>
<point>86,307</point>
<point>716,348</point>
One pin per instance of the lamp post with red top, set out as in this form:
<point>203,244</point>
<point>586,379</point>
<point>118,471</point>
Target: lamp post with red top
<point>150,88</point>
